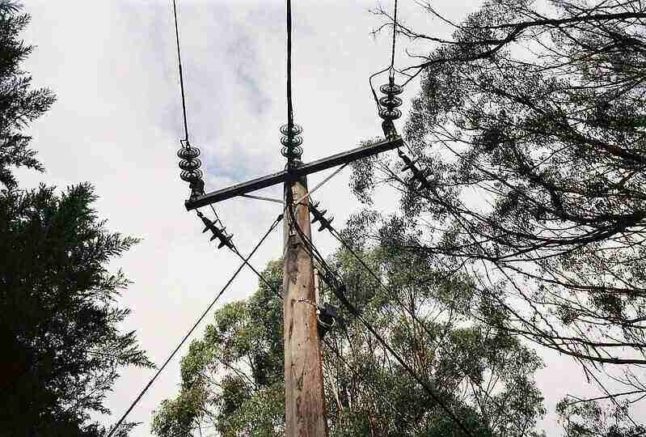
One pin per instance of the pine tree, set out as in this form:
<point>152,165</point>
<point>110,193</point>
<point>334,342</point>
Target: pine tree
<point>59,337</point>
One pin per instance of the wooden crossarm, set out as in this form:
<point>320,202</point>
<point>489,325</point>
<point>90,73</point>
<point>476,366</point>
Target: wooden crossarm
<point>283,176</point>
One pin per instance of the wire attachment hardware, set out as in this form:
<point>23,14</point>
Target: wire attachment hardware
<point>220,234</point>
<point>291,141</point>
<point>327,316</point>
<point>319,216</point>
<point>419,176</point>
<point>190,166</point>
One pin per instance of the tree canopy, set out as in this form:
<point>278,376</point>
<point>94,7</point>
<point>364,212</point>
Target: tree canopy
<point>232,378</point>
<point>529,129</point>
<point>59,322</point>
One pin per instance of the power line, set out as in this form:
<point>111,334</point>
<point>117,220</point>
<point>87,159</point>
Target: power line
<point>392,293</point>
<point>391,68</point>
<point>392,55</point>
<point>369,383</point>
<point>290,108</point>
<point>370,271</point>
<point>181,73</point>
<point>195,325</point>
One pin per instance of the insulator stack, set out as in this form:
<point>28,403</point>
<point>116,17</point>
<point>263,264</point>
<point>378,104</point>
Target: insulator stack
<point>388,105</point>
<point>390,102</point>
<point>291,141</point>
<point>219,234</point>
<point>419,176</point>
<point>319,216</point>
<point>190,166</point>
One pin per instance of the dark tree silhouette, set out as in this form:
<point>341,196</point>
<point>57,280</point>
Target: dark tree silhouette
<point>59,337</point>
<point>19,103</point>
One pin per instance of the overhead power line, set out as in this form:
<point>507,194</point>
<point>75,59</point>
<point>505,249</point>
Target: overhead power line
<point>392,55</point>
<point>337,236</point>
<point>377,391</point>
<point>181,73</point>
<point>290,108</point>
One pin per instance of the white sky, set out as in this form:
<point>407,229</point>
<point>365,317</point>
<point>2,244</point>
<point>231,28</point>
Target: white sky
<point>117,121</point>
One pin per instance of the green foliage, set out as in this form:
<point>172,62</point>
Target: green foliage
<point>58,324</point>
<point>484,375</point>
<point>19,104</point>
<point>588,419</point>
<point>59,337</point>
<point>530,122</point>
<point>232,378</point>
<point>530,125</point>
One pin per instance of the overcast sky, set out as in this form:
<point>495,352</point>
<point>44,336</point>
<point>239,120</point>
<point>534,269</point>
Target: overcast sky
<point>117,121</point>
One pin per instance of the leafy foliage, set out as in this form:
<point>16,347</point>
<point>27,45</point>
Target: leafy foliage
<point>232,378</point>
<point>19,103</point>
<point>59,324</point>
<point>59,337</point>
<point>587,419</point>
<point>530,124</point>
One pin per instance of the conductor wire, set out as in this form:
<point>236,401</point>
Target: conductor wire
<point>290,108</point>
<point>181,73</point>
<point>392,55</point>
<point>391,68</point>
<point>336,286</point>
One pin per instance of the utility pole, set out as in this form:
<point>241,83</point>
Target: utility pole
<point>304,393</point>
<point>304,396</point>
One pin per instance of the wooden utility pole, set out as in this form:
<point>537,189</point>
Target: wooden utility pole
<point>304,396</point>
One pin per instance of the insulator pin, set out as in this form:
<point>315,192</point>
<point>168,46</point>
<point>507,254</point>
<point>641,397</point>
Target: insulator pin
<point>188,152</point>
<point>191,165</point>
<point>420,177</point>
<point>191,176</point>
<point>389,103</point>
<point>319,216</point>
<point>391,88</point>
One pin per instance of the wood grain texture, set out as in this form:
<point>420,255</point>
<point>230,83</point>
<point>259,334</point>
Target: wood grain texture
<point>304,398</point>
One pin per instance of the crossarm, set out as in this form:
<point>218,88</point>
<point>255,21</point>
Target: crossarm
<point>303,170</point>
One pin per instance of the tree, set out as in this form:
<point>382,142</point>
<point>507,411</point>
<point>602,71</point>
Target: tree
<point>530,128</point>
<point>232,378</point>
<point>583,418</point>
<point>61,346</point>
<point>19,103</point>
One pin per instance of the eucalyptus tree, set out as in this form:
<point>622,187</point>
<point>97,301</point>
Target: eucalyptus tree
<point>232,377</point>
<point>529,126</point>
